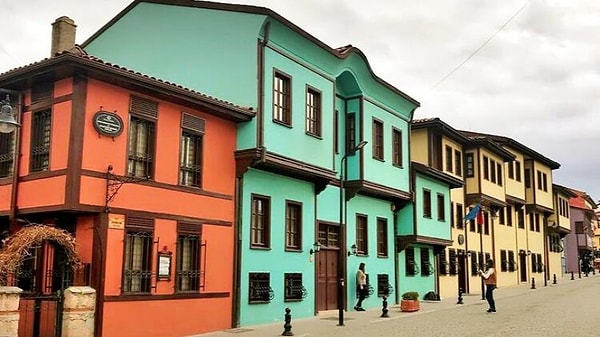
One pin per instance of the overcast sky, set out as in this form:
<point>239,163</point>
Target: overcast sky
<point>537,80</point>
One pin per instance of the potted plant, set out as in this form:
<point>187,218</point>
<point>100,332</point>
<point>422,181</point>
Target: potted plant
<point>410,301</point>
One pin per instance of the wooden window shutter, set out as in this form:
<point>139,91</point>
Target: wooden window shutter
<point>192,123</point>
<point>144,224</point>
<point>143,107</point>
<point>42,91</point>
<point>189,229</point>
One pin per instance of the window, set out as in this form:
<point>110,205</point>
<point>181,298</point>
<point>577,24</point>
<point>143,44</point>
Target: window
<point>512,264</point>
<point>511,170</point>
<point>521,219</point>
<point>282,99</point>
<point>350,132</point>
<point>531,222</point>
<point>189,244</point>
<point>260,222</point>
<point>441,207</point>
<point>426,267</point>
<point>293,225</point>
<point>426,203</point>
<point>409,260</point>
<point>539,180</point>
<point>458,162</point>
<point>499,173</point>
<point>486,168</point>
<point>443,263</point>
<point>474,265</point>
<point>329,235</point>
<point>383,285</point>
<point>313,112</point>
<point>382,237</point>
<point>503,260</point>
<point>534,263</point>
<point>518,170</point>
<point>377,139</point>
<point>452,217</point>
<point>545,182</point>
<point>260,288</point>
<point>190,161</point>
<point>492,170</point>
<point>336,132</point>
<point>361,235</point>
<point>41,129</point>
<point>137,268</point>
<point>452,262</point>
<point>294,290</point>
<point>449,159</point>
<point>460,221</point>
<point>397,147</point>
<point>509,215</point>
<point>486,223</point>
<point>537,222</point>
<point>540,264</point>
<point>7,154</point>
<point>141,141</point>
<point>502,219</point>
<point>470,165</point>
<point>527,178</point>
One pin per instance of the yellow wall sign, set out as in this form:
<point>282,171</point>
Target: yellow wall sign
<point>116,221</point>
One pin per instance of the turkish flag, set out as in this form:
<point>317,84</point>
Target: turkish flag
<point>480,218</point>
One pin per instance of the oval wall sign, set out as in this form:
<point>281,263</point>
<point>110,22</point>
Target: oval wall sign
<point>461,239</point>
<point>108,123</point>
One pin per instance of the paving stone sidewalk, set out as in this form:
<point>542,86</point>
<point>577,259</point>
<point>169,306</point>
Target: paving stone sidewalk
<point>326,323</point>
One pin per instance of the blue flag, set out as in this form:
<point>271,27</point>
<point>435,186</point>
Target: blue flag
<point>473,213</point>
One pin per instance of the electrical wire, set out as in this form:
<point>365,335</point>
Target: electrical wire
<point>481,46</point>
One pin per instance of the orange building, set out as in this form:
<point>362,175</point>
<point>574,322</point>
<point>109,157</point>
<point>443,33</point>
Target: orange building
<point>142,173</point>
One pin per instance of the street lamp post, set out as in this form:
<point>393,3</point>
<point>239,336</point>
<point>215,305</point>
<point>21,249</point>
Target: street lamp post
<point>342,240</point>
<point>482,258</point>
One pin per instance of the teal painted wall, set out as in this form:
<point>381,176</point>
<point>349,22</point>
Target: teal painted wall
<point>419,283</point>
<point>384,172</point>
<point>373,208</point>
<point>328,204</point>
<point>405,220</point>
<point>276,260</point>
<point>432,227</point>
<point>293,141</point>
<point>213,52</point>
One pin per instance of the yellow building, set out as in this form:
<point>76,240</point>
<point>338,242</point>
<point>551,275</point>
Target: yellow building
<point>520,235</point>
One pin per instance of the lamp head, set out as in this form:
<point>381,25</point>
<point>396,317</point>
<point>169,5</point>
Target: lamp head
<point>8,122</point>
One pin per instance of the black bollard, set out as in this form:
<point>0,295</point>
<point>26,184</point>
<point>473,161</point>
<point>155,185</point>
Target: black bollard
<point>287,327</point>
<point>533,283</point>
<point>572,277</point>
<point>384,309</point>
<point>554,279</point>
<point>460,298</point>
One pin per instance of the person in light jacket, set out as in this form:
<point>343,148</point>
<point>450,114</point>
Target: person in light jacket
<point>489,278</point>
<point>361,285</point>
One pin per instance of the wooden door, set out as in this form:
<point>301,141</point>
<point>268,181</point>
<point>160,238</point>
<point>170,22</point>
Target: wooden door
<point>523,267</point>
<point>327,266</point>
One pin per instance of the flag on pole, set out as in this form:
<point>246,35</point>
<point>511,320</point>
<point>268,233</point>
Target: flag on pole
<point>473,213</point>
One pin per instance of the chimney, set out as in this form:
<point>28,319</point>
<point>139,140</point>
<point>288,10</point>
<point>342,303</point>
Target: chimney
<point>63,35</point>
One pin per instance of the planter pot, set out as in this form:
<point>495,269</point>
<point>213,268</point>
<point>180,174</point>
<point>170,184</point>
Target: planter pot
<point>409,305</point>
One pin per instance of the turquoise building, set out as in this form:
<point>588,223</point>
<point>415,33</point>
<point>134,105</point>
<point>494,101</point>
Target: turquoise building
<point>424,229</point>
<point>323,171</point>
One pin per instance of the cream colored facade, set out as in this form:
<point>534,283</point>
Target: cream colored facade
<point>522,226</point>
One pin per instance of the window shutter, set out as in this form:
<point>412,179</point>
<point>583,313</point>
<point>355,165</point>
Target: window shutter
<point>189,229</point>
<point>143,107</point>
<point>192,123</point>
<point>140,223</point>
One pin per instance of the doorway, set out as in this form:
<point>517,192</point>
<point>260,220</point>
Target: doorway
<point>462,271</point>
<point>327,266</point>
<point>523,266</point>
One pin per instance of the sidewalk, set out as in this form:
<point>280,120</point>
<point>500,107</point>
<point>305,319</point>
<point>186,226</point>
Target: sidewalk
<point>325,323</point>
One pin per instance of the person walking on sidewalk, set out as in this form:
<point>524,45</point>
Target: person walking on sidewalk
<point>489,278</point>
<point>361,286</point>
